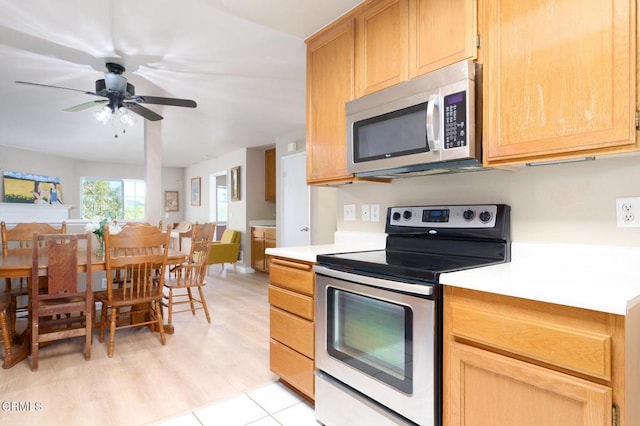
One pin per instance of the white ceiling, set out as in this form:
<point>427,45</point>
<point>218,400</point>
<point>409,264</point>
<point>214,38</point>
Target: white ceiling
<point>242,61</point>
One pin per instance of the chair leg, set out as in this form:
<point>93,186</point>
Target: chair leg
<point>88,322</point>
<point>103,322</point>
<point>158,314</point>
<point>204,304</point>
<point>112,332</point>
<point>34,342</point>
<point>170,308</point>
<point>192,303</point>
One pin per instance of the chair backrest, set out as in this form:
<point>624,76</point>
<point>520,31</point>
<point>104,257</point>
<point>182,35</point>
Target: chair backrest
<point>19,239</point>
<point>230,236</point>
<point>138,251</point>
<point>60,252</point>
<point>201,237</point>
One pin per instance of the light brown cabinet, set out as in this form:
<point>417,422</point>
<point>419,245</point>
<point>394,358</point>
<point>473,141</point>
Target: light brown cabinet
<point>262,238</point>
<point>400,39</point>
<point>559,79</point>
<point>270,174</point>
<point>330,70</point>
<point>292,319</point>
<point>514,361</point>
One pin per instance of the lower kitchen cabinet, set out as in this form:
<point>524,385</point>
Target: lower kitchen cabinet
<point>292,321</point>
<point>511,361</point>
<point>262,238</point>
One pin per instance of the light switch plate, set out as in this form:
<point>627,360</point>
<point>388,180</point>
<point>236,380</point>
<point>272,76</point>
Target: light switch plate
<point>365,212</point>
<point>349,212</point>
<point>375,212</point>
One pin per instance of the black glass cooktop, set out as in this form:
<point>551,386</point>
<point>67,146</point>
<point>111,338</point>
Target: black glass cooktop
<point>402,264</point>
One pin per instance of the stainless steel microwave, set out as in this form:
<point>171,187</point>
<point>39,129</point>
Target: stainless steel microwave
<point>426,125</point>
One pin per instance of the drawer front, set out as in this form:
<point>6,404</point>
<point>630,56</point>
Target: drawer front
<point>293,331</point>
<point>270,233</point>
<point>257,233</point>
<point>577,341</point>
<point>292,302</point>
<point>292,367</point>
<point>292,275</point>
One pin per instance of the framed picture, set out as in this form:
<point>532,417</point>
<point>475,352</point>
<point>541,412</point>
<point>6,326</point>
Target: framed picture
<point>195,191</point>
<point>235,183</point>
<point>171,203</point>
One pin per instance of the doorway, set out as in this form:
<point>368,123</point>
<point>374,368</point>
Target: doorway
<point>218,210</point>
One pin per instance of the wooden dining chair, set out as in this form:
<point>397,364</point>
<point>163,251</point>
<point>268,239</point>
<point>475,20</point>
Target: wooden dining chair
<point>137,252</point>
<point>61,309</point>
<point>18,241</point>
<point>189,276</point>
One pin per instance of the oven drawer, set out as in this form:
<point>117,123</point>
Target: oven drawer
<point>292,367</point>
<point>293,331</point>
<point>569,338</point>
<point>292,275</point>
<point>289,301</point>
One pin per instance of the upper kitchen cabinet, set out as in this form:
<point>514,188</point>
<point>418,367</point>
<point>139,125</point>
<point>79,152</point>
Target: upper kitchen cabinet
<point>400,39</point>
<point>382,45</point>
<point>559,79</point>
<point>330,70</point>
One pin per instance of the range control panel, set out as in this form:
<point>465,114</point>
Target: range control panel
<point>457,216</point>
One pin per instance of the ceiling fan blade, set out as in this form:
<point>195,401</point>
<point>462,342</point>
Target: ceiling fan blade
<point>145,112</point>
<point>86,105</point>
<point>56,87</point>
<point>188,103</point>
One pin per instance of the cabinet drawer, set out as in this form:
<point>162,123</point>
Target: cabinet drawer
<point>569,338</point>
<point>289,301</point>
<point>293,331</point>
<point>292,367</point>
<point>295,276</point>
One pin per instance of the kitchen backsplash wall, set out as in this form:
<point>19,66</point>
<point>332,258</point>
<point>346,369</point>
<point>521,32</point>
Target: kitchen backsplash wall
<point>570,203</point>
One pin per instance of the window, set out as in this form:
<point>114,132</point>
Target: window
<point>115,198</point>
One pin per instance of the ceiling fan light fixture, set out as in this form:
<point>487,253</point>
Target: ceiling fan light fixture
<point>103,115</point>
<point>125,117</point>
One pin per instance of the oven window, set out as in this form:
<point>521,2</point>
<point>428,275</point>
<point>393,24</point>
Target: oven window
<point>371,335</point>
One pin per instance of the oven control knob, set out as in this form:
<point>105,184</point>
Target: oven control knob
<point>468,214</point>
<point>407,214</point>
<point>396,216</point>
<point>485,216</point>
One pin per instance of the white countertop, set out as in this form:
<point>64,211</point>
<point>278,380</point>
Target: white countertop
<point>601,278</point>
<point>345,242</point>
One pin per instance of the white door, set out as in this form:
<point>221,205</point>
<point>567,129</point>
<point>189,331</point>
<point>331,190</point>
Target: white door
<point>295,201</point>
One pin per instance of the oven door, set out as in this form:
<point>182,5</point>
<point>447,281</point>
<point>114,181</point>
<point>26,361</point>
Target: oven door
<point>379,337</point>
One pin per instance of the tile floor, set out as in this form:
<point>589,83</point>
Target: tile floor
<point>271,405</point>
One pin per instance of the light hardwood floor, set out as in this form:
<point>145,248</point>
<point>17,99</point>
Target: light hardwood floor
<point>146,382</point>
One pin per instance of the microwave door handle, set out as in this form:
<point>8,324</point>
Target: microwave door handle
<point>432,123</point>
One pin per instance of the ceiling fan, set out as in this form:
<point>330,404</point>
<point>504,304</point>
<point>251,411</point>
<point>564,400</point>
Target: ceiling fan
<point>119,93</point>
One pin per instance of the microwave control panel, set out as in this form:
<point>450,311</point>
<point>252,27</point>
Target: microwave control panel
<point>455,120</point>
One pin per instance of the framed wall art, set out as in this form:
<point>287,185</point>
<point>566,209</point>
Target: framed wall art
<point>171,201</point>
<point>195,191</point>
<point>235,183</point>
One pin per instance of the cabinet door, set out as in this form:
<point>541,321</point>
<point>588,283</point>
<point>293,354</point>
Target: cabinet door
<point>441,32</point>
<point>257,252</point>
<point>559,79</point>
<point>330,72</point>
<point>270,174</point>
<point>491,389</point>
<point>381,45</point>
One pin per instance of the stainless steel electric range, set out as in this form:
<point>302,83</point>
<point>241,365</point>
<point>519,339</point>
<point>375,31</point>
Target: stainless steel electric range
<point>379,313</point>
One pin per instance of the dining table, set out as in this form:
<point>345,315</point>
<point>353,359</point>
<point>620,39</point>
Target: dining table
<point>20,266</point>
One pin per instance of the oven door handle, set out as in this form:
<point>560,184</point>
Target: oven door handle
<point>424,290</point>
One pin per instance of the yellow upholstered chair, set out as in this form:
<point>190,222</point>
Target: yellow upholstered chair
<point>226,250</point>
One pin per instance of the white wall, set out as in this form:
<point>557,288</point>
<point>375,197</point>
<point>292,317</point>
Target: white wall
<point>559,203</point>
<point>70,171</point>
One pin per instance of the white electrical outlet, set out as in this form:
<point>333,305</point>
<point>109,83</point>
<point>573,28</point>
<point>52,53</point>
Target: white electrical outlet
<point>103,284</point>
<point>628,212</point>
<point>375,212</point>
<point>349,212</point>
<point>365,212</point>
